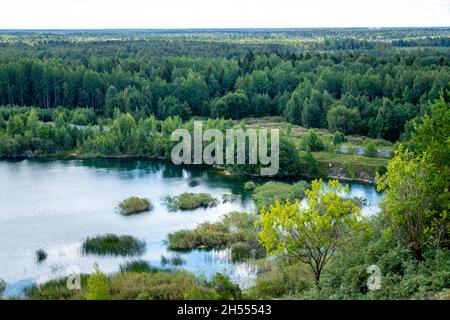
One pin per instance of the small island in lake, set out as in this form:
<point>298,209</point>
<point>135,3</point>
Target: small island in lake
<point>135,205</point>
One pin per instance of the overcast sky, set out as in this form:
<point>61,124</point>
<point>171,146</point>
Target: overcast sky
<point>83,14</point>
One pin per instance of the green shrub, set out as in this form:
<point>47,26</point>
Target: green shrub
<point>310,163</point>
<point>402,276</point>
<point>98,286</point>
<point>249,185</point>
<point>338,138</point>
<point>270,192</point>
<point>41,255</point>
<point>113,244</point>
<point>290,164</point>
<point>381,169</point>
<point>134,205</point>
<point>56,290</point>
<point>225,289</point>
<point>200,293</point>
<point>312,142</point>
<point>191,201</point>
<point>281,280</point>
<point>370,148</point>
<point>83,116</point>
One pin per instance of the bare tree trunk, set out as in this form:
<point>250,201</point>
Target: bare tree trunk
<point>317,277</point>
<point>417,252</point>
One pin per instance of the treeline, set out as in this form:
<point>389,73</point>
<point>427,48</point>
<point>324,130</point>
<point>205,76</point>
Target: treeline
<point>353,92</point>
<point>30,132</point>
<point>423,42</point>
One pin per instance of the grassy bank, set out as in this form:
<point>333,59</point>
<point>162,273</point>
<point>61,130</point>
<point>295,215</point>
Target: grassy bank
<point>350,167</point>
<point>153,284</point>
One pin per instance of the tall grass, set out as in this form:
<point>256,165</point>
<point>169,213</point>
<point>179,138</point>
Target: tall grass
<point>137,266</point>
<point>114,245</point>
<point>176,260</point>
<point>191,201</point>
<point>234,227</point>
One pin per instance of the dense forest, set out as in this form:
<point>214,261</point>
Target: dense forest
<point>382,92</point>
<point>375,87</point>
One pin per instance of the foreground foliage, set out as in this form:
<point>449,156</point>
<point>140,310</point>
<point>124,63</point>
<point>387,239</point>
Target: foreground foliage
<point>417,202</point>
<point>312,234</point>
<point>97,286</point>
<point>142,285</point>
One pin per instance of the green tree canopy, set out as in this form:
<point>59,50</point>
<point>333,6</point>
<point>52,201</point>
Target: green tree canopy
<point>314,233</point>
<point>343,119</point>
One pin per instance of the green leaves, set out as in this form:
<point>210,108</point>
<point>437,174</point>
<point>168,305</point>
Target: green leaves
<point>313,233</point>
<point>98,286</point>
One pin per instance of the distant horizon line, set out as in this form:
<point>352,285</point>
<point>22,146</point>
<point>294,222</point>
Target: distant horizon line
<point>223,28</point>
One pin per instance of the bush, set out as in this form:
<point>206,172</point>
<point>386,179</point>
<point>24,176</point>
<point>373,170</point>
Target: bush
<point>339,138</point>
<point>249,185</point>
<point>191,201</point>
<point>225,289</point>
<point>343,119</point>
<point>41,255</point>
<point>281,279</point>
<point>312,142</point>
<point>83,116</point>
<point>310,164</point>
<point>270,192</point>
<point>97,286</point>
<point>134,205</point>
<point>113,244</point>
<point>403,277</point>
<point>290,162</point>
<point>370,148</point>
<point>381,169</point>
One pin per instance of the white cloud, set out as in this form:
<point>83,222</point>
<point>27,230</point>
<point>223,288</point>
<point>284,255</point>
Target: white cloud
<point>221,13</point>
